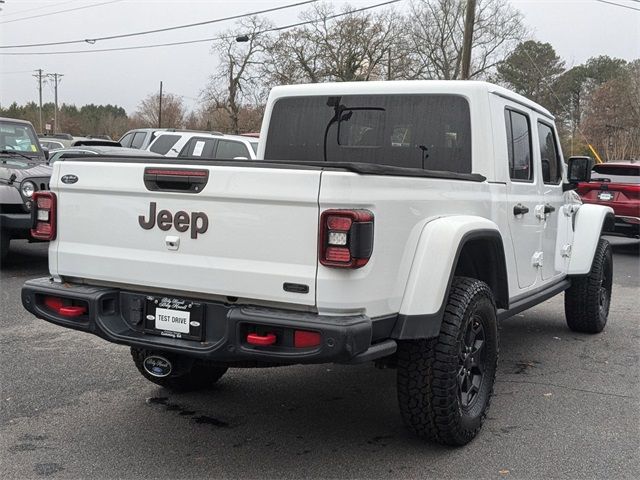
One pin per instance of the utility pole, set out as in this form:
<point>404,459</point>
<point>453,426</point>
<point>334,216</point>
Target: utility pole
<point>389,64</point>
<point>39,77</point>
<point>55,77</point>
<point>160,108</point>
<point>468,38</point>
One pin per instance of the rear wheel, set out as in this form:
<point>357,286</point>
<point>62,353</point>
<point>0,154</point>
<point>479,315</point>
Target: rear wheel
<point>445,384</point>
<point>190,374</point>
<point>586,302</point>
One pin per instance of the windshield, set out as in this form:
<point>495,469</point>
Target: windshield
<point>19,137</point>
<point>430,132</point>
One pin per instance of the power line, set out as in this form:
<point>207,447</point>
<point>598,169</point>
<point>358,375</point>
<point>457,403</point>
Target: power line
<point>19,12</point>
<point>620,5</point>
<point>60,11</point>
<point>91,41</point>
<point>209,39</point>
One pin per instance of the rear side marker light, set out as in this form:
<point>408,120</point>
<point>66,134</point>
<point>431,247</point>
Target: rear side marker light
<point>346,238</point>
<point>43,216</point>
<point>305,339</point>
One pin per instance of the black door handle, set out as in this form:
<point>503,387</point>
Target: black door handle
<point>520,209</point>
<point>548,209</point>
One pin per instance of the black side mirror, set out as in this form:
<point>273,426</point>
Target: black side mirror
<point>578,170</point>
<point>45,150</point>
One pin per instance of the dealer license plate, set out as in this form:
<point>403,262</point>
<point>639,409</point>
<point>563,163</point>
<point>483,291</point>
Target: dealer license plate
<point>605,196</point>
<point>174,317</point>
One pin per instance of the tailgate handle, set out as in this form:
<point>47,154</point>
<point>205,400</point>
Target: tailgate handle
<point>175,179</point>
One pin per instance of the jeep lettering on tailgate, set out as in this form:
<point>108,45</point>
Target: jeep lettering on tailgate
<point>180,221</point>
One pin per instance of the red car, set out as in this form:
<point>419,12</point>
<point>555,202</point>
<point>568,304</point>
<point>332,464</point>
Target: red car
<point>617,185</point>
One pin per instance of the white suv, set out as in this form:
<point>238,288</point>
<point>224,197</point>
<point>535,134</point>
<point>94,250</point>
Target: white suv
<point>204,145</point>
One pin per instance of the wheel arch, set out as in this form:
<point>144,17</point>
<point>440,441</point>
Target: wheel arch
<point>589,223</point>
<point>466,246</point>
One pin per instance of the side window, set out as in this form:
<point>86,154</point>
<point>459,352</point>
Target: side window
<point>164,143</point>
<point>551,169</point>
<point>138,140</point>
<point>199,147</point>
<point>126,140</point>
<point>519,146</point>
<point>228,150</point>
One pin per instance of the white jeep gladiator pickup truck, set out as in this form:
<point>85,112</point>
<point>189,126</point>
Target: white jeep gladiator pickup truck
<point>387,221</point>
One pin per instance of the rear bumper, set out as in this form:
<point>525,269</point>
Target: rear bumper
<point>118,316</point>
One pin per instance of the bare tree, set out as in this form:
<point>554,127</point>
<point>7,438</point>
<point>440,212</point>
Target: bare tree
<point>173,111</point>
<point>238,79</point>
<point>355,46</point>
<point>436,29</point>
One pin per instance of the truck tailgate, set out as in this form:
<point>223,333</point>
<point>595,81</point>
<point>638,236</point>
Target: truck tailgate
<point>261,233</point>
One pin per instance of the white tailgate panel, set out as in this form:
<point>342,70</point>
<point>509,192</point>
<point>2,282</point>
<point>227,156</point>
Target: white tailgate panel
<point>262,231</point>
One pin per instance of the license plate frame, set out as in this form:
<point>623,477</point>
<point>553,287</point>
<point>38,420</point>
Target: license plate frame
<point>180,306</point>
<point>605,196</point>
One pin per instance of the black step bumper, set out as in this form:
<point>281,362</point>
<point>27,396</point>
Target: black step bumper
<point>117,316</point>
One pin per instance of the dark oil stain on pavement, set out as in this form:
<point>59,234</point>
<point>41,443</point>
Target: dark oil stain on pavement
<point>524,367</point>
<point>47,469</point>
<point>184,412</point>
<point>206,419</point>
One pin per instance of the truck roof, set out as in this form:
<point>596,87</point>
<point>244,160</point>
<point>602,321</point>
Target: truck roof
<point>460,87</point>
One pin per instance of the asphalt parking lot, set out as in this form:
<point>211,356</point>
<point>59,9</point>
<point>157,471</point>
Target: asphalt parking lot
<point>567,405</point>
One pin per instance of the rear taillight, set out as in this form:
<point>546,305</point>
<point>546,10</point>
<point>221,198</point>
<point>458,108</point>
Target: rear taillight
<point>43,216</point>
<point>346,238</point>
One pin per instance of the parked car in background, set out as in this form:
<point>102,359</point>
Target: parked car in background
<point>139,138</point>
<point>93,141</point>
<point>204,145</point>
<point>51,144</point>
<point>77,152</point>
<point>23,171</point>
<point>616,185</point>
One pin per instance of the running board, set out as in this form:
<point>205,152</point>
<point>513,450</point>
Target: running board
<point>534,299</point>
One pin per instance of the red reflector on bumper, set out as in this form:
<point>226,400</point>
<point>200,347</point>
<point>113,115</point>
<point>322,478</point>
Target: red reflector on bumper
<point>261,340</point>
<point>302,339</point>
<point>56,304</point>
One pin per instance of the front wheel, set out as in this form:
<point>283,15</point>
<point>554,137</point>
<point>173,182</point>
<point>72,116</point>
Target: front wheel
<point>587,300</point>
<point>445,384</point>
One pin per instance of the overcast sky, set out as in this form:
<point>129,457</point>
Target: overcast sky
<point>577,29</point>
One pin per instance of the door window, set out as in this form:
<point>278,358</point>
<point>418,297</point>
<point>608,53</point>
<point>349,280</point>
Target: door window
<point>138,140</point>
<point>164,143</point>
<point>228,150</point>
<point>551,169</point>
<point>126,140</point>
<point>519,146</point>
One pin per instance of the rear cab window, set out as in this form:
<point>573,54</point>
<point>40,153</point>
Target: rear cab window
<point>164,143</point>
<point>429,131</point>
<point>616,173</point>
